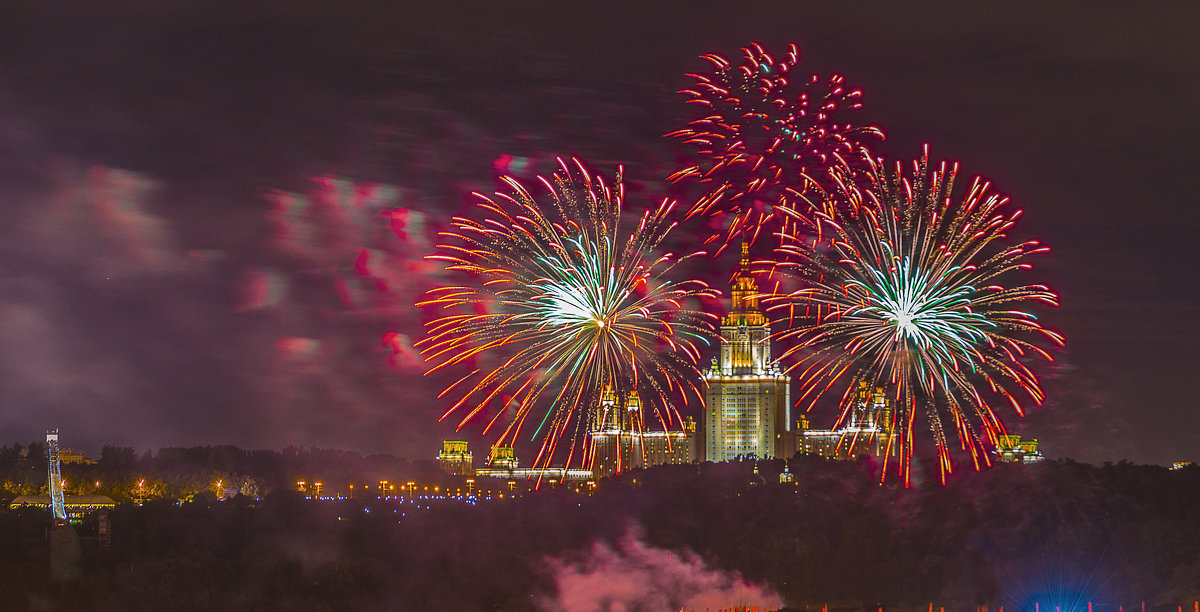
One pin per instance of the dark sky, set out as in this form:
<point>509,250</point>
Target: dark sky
<point>194,248</point>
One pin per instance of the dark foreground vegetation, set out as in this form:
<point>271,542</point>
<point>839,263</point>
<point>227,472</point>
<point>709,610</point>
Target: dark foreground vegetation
<point>1114,535</point>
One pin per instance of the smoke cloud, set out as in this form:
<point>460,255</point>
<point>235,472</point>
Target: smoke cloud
<point>633,575</point>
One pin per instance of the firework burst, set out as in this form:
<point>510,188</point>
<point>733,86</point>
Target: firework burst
<point>566,299</point>
<point>900,288</point>
<point>766,139</point>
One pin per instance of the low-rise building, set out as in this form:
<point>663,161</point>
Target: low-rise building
<point>455,458</point>
<point>618,440</point>
<point>1012,449</point>
<point>867,430</point>
<point>75,505</point>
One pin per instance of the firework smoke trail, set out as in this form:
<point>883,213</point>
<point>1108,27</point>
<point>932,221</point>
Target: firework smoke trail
<point>899,288</point>
<point>767,138</point>
<point>573,300</point>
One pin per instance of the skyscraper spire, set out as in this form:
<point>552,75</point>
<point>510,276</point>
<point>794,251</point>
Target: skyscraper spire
<point>745,310</point>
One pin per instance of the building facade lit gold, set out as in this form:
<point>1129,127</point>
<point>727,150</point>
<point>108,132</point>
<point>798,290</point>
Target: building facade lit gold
<point>1012,449</point>
<point>618,440</point>
<point>455,458</point>
<point>747,403</point>
<point>867,431</point>
<point>502,457</point>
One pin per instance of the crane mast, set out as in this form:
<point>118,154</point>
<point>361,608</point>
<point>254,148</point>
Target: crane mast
<point>55,478</point>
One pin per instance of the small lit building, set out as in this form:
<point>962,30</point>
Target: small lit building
<point>502,463</point>
<point>455,458</point>
<point>618,440</point>
<point>76,505</point>
<point>867,430</point>
<point>547,474</point>
<point>786,476</point>
<point>502,457</point>
<point>67,455</point>
<point>1012,449</point>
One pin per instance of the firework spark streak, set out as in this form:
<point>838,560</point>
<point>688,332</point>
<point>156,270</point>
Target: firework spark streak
<point>900,288</point>
<point>566,299</point>
<point>766,138</point>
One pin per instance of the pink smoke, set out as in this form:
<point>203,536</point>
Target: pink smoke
<point>637,576</point>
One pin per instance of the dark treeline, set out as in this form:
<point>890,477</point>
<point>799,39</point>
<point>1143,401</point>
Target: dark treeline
<point>1115,535</point>
<point>179,473</point>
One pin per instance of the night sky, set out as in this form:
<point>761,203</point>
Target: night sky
<point>195,248</point>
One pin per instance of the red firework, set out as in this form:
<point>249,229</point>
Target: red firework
<point>766,139</point>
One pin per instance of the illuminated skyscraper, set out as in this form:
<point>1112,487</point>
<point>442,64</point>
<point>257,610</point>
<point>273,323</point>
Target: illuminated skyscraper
<point>747,403</point>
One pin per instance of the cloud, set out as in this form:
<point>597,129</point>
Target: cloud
<point>97,221</point>
<point>634,575</point>
<point>108,321</point>
<point>326,307</point>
